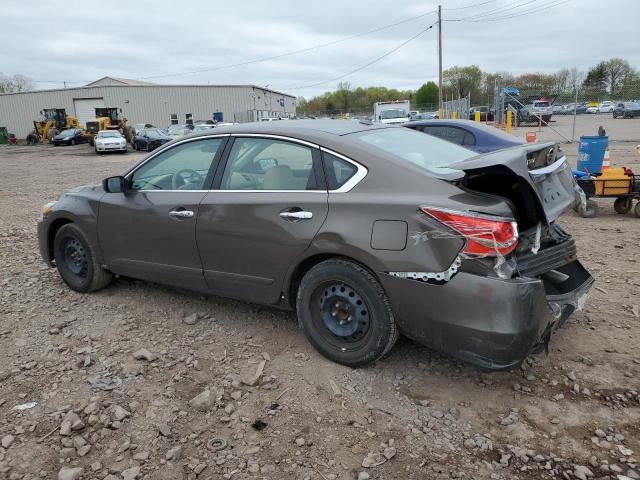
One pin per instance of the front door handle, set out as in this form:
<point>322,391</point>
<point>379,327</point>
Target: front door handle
<point>181,214</point>
<point>296,215</point>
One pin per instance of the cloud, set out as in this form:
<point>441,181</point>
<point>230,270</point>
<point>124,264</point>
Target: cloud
<point>79,42</point>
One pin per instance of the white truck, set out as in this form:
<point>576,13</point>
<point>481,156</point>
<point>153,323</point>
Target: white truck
<point>397,111</point>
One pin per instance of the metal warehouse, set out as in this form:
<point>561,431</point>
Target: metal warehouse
<point>141,102</point>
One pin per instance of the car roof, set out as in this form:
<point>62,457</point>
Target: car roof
<point>300,128</point>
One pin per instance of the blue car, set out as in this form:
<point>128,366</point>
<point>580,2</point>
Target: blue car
<point>472,135</point>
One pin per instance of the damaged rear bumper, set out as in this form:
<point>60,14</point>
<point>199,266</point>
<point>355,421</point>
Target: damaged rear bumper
<point>491,322</point>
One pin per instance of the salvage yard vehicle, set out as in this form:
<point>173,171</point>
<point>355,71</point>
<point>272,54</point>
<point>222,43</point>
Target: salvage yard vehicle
<point>136,128</point>
<point>110,141</point>
<point>107,118</point>
<point>627,110</point>
<point>54,120</point>
<point>392,112</point>
<point>178,131</point>
<point>535,111</point>
<point>366,231</point>
<point>149,139</point>
<point>70,136</point>
<point>473,135</point>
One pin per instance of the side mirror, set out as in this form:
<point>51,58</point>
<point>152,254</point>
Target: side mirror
<point>114,184</point>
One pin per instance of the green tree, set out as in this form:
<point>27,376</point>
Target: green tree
<point>596,79</point>
<point>463,81</point>
<point>427,94</point>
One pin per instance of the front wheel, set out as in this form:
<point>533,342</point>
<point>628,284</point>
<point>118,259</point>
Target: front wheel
<point>76,262</point>
<point>622,205</point>
<point>345,313</point>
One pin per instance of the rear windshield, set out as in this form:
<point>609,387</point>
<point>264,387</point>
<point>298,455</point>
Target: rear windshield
<point>427,152</point>
<point>541,104</point>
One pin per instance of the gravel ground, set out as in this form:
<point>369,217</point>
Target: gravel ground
<point>145,381</point>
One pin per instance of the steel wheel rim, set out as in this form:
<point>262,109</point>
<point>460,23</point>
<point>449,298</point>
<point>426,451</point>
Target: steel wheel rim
<point>75,257</point>
<point>340,314</point>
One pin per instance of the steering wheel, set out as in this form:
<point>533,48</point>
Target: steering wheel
<point>193,177</point>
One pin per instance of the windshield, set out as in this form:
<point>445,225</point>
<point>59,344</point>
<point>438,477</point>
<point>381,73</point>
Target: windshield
<point>395,113</point>
<point>70,131</point>
<point>541,104</point>
<point>109,134</point>
<point>427,152</point>
<point>154,133</point>
<point>631,105</point>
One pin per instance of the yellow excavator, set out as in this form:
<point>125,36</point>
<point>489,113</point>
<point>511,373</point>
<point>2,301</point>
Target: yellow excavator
<point>107,118</point>
<point>51,123</point>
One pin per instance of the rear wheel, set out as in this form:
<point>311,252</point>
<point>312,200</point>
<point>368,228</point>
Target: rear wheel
<point>623,205</point>
<point>73,141</point>
<point>32,139</point>
<point>589,209</point>
<point>76,261</point>
<point>637,209</point>
<point>345,313</point>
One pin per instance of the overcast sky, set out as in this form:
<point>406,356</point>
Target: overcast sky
<point>80,41</point>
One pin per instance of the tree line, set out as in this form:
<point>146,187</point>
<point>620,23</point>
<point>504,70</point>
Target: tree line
<point>612,79</point>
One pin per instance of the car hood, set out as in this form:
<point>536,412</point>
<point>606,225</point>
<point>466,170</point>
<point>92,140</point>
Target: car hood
<point>62,137</point>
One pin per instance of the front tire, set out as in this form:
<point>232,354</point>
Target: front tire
<point>76,262</point>
<point>589,210</point>
<point>345,313</point>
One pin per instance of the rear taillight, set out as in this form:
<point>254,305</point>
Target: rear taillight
<point>486,235</point>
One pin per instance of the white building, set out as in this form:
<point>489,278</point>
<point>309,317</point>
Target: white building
<point>143,102</point>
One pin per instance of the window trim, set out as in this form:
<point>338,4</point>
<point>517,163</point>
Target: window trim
<point>129,175</point>
<point>360,174</point>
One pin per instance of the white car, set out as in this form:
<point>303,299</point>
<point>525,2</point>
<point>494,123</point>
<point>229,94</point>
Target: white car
<point>110,141</point>
<point>606,107</point>
<point>593,109</point>
<point>178,131</point>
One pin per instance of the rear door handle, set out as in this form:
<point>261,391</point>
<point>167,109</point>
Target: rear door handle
<point>181,214</point>
<point>297,215</point>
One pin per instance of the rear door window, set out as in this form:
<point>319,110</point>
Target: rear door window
<point>268,164</point>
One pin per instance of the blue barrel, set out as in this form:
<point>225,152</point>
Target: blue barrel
<point>591,153</point>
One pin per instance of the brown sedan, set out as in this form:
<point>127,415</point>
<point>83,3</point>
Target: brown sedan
<point>367,231</point>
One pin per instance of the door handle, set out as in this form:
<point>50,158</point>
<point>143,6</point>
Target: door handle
<point>297,215</point>
<point>181,214</point>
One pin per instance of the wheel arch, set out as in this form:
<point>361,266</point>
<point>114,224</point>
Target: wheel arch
<point>306,264</point>
<point>51,233</point>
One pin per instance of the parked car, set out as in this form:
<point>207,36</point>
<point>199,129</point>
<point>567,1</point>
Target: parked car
<point>149,139</point>
<point>593,109</point>
<point>537,109</point>
<point>627,110</point>
<point>364,230</point>
<point>70,136</point>
<point>467,133</point>
<point>202,127</point>
<point>179,131</point>
<point>136,128</point>
<point>606,106</point>
<point>486,113</point>
<point>110,141</point>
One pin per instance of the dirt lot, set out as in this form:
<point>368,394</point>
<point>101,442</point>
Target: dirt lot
<point>572,414</point>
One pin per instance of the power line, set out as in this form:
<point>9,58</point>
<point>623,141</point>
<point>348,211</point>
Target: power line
<point>470,6</point>
<point>499,10</point>
<point>539,8</point>
<point>368,64</point>
<point>294,52</point>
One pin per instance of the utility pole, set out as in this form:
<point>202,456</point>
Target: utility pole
<point>440,60</point>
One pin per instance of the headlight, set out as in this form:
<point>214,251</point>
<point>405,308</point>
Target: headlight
<point>47,207</point>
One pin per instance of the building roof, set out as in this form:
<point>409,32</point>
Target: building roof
<point>116,81</point>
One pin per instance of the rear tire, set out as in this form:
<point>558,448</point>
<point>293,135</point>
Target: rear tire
<point>345,313</point>
<point>623,205</point>
<point>76,262</point>
<point>637,209</point>
<point>589,210</point>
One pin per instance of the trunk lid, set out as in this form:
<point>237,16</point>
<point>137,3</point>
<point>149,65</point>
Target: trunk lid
<point>536,179</point>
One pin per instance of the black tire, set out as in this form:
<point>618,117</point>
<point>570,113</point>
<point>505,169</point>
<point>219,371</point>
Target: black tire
<point>589,210</point>
<point>637,210</point>
<point>331,296</point>
<point>614,115</point>
<point>76,261</point>
<point>32,139</point>
<point>623,205</point>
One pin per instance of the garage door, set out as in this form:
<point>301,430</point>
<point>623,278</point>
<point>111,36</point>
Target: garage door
<point>86,108</point>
